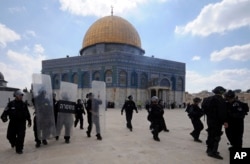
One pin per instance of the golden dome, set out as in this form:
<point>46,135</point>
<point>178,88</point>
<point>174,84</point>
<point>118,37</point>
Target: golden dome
<point>112,29</point>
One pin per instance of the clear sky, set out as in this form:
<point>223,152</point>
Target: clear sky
<point>211,36</point>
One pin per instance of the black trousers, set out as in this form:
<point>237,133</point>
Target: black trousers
<point>129,115</point>
<point>45,132</point>
<point>157,126</point>
<point>89,117</point>
<point>198,126</point>
<point>214,136</point>
<point>235,131</point>
<point>79,117</point>
<point>16,134</point>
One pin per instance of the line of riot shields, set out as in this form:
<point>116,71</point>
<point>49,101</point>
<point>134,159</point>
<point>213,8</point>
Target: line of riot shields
<point>53,120</point>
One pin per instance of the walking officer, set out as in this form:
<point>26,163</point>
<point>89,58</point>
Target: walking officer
<point>78,114</point>
<point>129,106</point>
<point>195,113</point>
<point>236,114</point>
<point>216,117</point>
<point>18,113</point>
<point>155,116</point>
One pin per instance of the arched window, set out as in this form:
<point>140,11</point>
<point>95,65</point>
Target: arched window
<point>123,78</point>
<point>85,80</point>
<point>96,76</point>
<point>108,77</point>
<point>165,83</point>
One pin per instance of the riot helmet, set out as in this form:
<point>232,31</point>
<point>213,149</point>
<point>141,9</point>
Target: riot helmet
<point>219,90</point>
<point>18,93</point>
<point>230,94</point>
<point>196,100</point>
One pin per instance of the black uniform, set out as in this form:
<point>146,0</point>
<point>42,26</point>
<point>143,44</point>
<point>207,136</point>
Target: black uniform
<point>195,114</point>
<point>93,116</point>
<point>164,125</point>
<point>42,127</point>
<point>129,106</point>
<point>89,116</point>
<point>156,118</point>
<point>216,117</point>
<point>236,114</point>
<point>78,114</point>
<point>18,113</point>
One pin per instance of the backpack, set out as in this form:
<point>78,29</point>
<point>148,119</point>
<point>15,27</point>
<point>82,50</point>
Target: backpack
<point>189,109</point>
<point>206,105</point>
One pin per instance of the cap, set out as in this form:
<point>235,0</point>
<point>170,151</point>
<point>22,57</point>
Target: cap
<point>18,93</point>
<point>197,100</point>
<point>130,97</point>
<point>154,98</point>
<point>230,94</point>
<point>219,90</point>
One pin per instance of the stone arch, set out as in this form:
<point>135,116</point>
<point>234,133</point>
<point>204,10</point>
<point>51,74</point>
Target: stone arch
<point>165,82</point>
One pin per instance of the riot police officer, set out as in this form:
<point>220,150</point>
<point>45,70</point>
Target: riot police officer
<point>129,106</point>
<point>18,114</point>
<point>195,113</point>
<point>43,118</point>
<point>216,117</point>
<point>236,114</point>
<point>93,115</point>
<point>156,118</point>
<point>78,113</point>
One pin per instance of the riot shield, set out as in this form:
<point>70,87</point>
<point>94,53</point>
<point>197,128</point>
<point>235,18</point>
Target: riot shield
<point>44,120</point>
<point>66,108</point>
<point>98,105</point>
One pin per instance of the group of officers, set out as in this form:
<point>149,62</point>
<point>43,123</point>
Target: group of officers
<point>225,111</point>
<point>221,109</point>
<point>49,118</point>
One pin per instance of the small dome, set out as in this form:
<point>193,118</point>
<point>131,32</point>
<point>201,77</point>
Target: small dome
<point>1,76</point>
<point>112,29</point>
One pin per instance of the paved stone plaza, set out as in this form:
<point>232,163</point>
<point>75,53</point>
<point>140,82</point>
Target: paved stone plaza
<point>119,145</point>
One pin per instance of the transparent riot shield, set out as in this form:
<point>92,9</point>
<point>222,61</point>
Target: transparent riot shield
<point>66,109</point>
<point>98,105</point>
<point>44,120</point>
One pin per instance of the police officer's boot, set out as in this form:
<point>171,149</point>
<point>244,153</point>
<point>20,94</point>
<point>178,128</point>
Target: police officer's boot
<point>155,135</point>
<point>38,144</point>
<point>45,142</point>
<point>214,152</point>
<point>88,134</point>
<point>67,139</point>
<point>99,137</point>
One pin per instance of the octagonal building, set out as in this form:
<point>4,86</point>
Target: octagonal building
<point>111,52</point>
